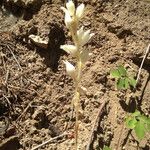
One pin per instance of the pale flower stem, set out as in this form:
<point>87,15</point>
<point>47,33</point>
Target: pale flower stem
<point>77,101</point>
<point>77,85</point>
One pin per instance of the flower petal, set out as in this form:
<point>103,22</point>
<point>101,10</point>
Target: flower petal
<point>70,69</point>
<point>64,9</point>
<point>80,10</point>
<point>68,19</point>
<point>80,33</point>
<point>71,7</point>
<point>70,49</point>
<point>86,37</point>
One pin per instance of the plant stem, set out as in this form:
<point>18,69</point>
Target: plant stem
<point>77,99</point>
<point>146,54</point>
<point>73,31</point>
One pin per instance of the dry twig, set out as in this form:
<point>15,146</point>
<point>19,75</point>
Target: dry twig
<point>50,140</point>
<point>146,54</point>
<point>25,110</point>
<point>14,57</point>
<point>95,125</point>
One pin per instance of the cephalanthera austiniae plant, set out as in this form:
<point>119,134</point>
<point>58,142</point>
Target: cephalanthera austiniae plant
<point>77,50</point>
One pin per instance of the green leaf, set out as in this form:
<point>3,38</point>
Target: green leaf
<point>106,148</point>
<point>144,119</point>
<point>146,122</point>
<point>136,113</point>
<point>121,83</point>
<point>131,122</point>
<point>140,130</point>
<point>115,73</point>
<point>126,83</point>
<point>122,71</point>
<point>148,127</point>
<point>132,81</point>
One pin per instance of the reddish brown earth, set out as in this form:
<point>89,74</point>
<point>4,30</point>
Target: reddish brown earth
<point>36,92</point>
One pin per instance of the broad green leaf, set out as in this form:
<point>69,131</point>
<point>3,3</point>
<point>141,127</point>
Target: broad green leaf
<point>140,130</point>
<point>132,81</point>
<point>144,119</point>
<point>131,122</point>
<point>115,73</point>
<point>146,122</point>
<point>122,71</point>
<point>126,83</point>
<point>106,148</point>
<point>136,113</point>
<point>148,127</point>
<point>120,83</point>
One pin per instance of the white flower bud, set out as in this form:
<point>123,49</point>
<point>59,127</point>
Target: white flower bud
<point>68,18</point>
<point>70,69</point>
<point>71,7</point>
<point>80,10</point>
<point>84,37</point>
<point>70,49</point>
<point>80,33</point>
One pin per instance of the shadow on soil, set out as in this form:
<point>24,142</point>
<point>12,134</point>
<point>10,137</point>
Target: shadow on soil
<point>53,52</point>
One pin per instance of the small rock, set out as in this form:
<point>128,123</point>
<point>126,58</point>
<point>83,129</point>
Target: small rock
<point>38,41</point>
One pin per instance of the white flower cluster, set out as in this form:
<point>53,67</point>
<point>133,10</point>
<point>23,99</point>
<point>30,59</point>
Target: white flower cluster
<point>71,13</point>
<point>80,37</point>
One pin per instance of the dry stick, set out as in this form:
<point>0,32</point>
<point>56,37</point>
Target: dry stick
<point>50,140</point>
<point>146,54</point>
<point>7,75</point>
<point>25,89</point>
<point>25,110</point>
<point>9,103</point>
<point>94,128</point>
<point>14,57</point>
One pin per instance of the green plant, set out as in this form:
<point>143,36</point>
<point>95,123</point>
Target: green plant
<point>136,121</point>
<point>123,79</point>
<point>76,50</point>
<point>107,148</point>
<point>139,123</point>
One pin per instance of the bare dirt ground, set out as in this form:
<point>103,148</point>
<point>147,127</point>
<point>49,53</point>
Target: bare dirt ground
<point>36,92</point>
